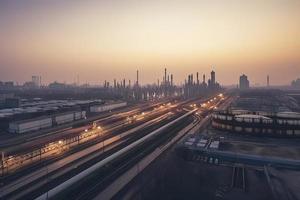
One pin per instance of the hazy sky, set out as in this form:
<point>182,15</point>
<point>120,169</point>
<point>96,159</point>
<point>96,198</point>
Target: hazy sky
<point>111,39</point>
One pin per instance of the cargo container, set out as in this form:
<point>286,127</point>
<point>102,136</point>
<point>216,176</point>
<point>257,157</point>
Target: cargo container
<point>30,125</point>
<point>188,143</point>
<point>214,145</point>
<point>63,118</point>
<point>107,107</point>
<point>191,139</point>
<point>83,114</point>
<point>79,115</point>
<point>201,145</point>
<point>203,141</point>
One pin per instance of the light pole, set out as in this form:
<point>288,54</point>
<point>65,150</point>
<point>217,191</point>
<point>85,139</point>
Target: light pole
<point>2,163</point>
<point>101,132</point>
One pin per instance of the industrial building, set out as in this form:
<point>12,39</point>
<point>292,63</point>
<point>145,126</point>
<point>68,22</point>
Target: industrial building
<point>30,125</point>
<point>195,88</point>
<point>33,115</point>
<point>244,82</point>
<point>45,122</point>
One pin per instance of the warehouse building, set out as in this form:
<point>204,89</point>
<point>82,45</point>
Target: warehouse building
<point>39,123</point>
<point>36,108</point>
<point>30,125</point>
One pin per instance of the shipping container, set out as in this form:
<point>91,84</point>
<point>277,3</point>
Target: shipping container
<point>79,115</point>
<point>64,118</point>
<point>214,145</point>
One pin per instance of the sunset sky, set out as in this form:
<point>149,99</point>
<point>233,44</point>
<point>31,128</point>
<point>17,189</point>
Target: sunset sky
<point>100,40</point>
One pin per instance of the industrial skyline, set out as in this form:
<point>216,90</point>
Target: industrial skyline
<point>36,80</point>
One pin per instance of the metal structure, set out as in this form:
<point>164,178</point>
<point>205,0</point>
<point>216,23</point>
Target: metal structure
<point>277,124</point>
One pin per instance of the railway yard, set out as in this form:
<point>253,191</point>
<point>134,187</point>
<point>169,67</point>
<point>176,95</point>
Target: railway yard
<point>118,155</point>
<point>42,166</point>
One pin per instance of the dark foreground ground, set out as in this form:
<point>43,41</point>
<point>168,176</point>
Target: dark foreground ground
<point>172,178</point>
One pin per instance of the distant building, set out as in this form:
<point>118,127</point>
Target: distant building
<point>36,80</point>
<point>34,83</point>
<point>244,82</point>
<point>29,84</point>
<point>57,85</point>
<point>7,84</point>
<point>194,88</point>
<point>296,83</point>
<point>213,78</point>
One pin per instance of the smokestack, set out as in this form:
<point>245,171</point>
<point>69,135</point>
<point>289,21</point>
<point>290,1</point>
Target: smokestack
<point>124,84</point>
<point>165,75</point>
<point>197,78</point>
<point>129,83</point>
<point>168,79</point>
<point>268,81</point>
<point>115,83</point>
<point>171,79</point>
<point>203,78</point>
<point>137,77</point>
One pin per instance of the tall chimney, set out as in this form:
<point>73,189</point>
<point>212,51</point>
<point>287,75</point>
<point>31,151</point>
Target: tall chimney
<point>137,77</point>
<point>165,75</point>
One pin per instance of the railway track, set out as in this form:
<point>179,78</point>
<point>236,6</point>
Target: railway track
<point>34,157</point>
<point>18,192</point>
<point>112,169</point>
<point>49,184</point>
<point>238,180</point>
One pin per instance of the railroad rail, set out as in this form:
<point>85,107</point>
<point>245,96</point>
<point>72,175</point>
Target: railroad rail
<point>51,168</point>
<point>63,186</point>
